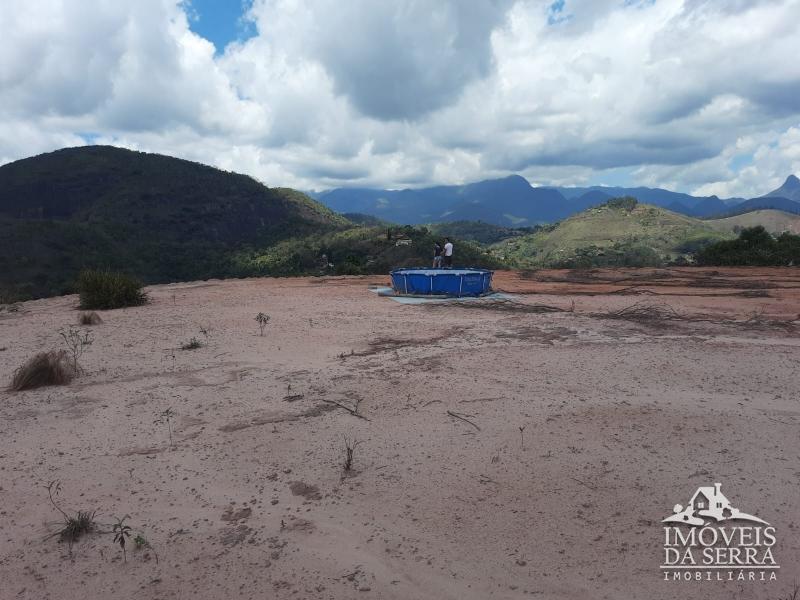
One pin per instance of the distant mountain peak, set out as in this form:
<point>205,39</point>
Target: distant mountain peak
<point>790,189</point>
<point>515,177</point>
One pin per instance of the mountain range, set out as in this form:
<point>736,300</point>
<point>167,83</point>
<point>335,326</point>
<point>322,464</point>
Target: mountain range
<point>512,202</point>
<point>166,219</point>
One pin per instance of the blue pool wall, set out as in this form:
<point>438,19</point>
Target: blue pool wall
<point>442,282</point>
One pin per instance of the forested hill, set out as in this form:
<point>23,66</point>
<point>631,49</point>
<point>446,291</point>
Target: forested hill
<point>157,217</point>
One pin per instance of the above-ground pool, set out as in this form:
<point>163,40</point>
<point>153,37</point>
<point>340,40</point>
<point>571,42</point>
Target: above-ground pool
<point>442,282</point>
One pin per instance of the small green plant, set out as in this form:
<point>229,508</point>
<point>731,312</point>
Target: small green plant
<point>166,417</point>
<point>121,533</point>
<point>142,543</point>
<point>105,290</point>
<point>262,321</point>
<point>192,344</point>
<point>76,342</point>
<point>45,368</point>
<point>73,526</point>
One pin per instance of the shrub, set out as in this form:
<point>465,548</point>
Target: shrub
<point>46,368</point>
<point>89,318</point>
<point>754,247</point>
<point>262,321</point>
<point>625,202</point>
<point>620,254</point>
<point>192,344</point>
<point>104,290</point>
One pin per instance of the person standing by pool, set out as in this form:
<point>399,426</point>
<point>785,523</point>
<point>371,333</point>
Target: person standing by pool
<point>448,253</point>
<point>437,255</point>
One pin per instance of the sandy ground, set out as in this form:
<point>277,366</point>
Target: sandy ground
<point>622,418</point>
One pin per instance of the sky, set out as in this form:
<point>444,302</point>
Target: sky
<point>700,96</point>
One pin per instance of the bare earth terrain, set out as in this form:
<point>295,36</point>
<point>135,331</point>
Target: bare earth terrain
<point>633,387</point>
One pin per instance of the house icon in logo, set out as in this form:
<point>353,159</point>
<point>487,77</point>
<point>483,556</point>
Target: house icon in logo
<point>708,503</point>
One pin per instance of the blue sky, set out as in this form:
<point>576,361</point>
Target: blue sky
<point>699,97</point>
<point>220,21</point>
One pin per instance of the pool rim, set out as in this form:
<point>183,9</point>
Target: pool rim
<point>485,275</point>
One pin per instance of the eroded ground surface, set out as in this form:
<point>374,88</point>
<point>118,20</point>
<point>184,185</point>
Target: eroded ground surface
<point>582,411</point>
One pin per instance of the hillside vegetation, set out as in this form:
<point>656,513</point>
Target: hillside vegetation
<point>156,217</point>
<point>160,219</point>
<point>356,251</point>
<point>755,247</point>
<point>621,232</point>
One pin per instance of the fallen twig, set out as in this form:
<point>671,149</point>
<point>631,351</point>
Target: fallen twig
<point>350,409</point>
<point>457,416</point>
<point>588,485</point>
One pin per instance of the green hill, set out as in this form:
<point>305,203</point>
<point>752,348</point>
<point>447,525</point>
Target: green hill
<point>774,221</point>
<point>165,219</point>
<point>621,232</point>
<point>156,217</point>
<point>357,251</point>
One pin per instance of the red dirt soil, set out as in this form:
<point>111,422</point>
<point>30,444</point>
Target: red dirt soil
<point>633,387</point>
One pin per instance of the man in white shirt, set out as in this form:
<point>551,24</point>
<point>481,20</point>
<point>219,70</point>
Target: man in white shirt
<point>448,253</point>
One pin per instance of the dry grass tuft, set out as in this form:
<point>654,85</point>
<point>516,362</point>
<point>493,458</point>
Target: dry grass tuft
<point>75,527</point>
<point>644,312</point>
<point>89,318</point>
<point>46,368</point>
<point>192,344</point>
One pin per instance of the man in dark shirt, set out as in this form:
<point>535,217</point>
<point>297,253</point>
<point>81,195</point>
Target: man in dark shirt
<point>437,255</point>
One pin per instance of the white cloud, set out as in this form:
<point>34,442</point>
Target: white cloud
<point>408,93</point>
<point>771,162</point>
